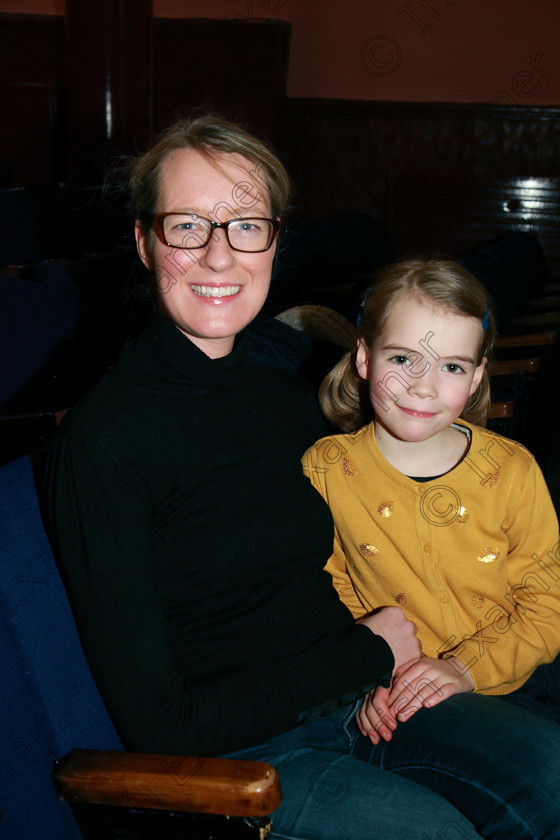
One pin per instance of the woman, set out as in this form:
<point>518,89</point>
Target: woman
<point>191,544</point>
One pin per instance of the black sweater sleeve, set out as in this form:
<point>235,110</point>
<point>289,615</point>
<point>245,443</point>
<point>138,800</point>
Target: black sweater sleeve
<point>100,507</point>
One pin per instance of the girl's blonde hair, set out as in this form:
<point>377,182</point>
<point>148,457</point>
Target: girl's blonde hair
<point>441,283</point>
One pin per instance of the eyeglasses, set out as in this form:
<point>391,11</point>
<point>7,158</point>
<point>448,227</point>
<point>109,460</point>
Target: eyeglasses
<point>189,231</point>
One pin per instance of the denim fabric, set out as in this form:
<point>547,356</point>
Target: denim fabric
<point>328,794</point>
<point>497,764</point>
<point>541,693</point>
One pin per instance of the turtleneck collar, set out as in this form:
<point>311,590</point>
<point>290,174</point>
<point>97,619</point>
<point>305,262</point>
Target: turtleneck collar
<point>168,356</point>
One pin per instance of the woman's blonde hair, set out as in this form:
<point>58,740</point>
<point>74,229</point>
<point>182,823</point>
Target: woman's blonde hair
<point>213,136</point>
<point>441,283</point>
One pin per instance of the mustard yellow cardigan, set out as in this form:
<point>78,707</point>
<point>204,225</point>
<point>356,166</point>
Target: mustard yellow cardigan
<point>472,557</point>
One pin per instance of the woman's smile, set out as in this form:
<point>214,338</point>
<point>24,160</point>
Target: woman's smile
<point>216,293</point>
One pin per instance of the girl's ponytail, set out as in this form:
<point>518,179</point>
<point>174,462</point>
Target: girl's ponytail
<point>344,395</point>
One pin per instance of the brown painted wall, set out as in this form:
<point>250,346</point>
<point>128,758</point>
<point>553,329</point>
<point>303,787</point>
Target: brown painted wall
<point>400,50</point>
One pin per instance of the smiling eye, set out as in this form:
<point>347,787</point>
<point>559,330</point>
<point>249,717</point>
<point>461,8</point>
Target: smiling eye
<point>185,226</point>
<point>245,226</point>
<point>186,230</point>
<point>401,360</point>
<point>453,367</point>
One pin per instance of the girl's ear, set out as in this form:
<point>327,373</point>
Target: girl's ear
<point>142,245</point>
<point>477,378</point>
<point>362,359</point>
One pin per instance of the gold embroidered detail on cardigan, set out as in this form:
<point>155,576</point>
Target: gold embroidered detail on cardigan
<point>488,555</point>
<point>348,467</point>
<point>385,509</point>
<point>368,550</point>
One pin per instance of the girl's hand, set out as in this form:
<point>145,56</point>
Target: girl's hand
<point>425,683</point>
<point>374,718</point>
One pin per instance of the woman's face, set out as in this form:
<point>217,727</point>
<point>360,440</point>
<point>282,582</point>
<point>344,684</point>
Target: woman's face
<point>209,293</point>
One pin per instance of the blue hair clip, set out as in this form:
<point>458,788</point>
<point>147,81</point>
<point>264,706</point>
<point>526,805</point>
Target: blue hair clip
<point>486,319</point>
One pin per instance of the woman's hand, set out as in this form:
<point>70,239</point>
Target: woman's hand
<point>398,631</point>
<point>425,683</point>
<point>374,718</point>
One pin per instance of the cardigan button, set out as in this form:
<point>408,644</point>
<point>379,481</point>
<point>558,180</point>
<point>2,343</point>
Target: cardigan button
<point>427,548</point>
<point>444,599</point>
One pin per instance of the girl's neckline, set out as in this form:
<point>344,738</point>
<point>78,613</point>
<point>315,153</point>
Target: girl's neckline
<point>424,479</point>
<point>450,462</point>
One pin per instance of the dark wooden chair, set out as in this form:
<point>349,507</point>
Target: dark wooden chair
<point>115,794</point>
<point>512,383</point>
<point>525,369</point>
<point>24,433</point>
<point>329,262</point>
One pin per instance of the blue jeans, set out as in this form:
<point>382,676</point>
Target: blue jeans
<point>541,693</point>
<point>494,763</point>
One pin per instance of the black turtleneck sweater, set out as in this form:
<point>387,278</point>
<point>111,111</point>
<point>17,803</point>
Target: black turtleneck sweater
<point>193,548</point>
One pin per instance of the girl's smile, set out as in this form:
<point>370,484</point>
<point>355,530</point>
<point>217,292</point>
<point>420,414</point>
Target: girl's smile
<point>414,413</point>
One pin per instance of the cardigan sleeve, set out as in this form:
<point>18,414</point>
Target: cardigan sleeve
<point>314,469</point>
<point>100,513</point>
<point>524,631</point>
<point>336,566</point>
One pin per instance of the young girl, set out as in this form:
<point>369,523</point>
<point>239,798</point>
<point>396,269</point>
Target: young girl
<point>436,514</point>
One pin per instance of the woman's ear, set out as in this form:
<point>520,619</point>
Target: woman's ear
<point>142,245</point>
<point>477,378</point>
<point>362,359</point>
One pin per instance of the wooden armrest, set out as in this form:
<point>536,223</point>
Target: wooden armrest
<point>320,322</point>
<point>160,782</point>
<point>29,418</point>
<point>540,339</point>
<point>543,320</point>
<point>25,270</point>
<point>21,433</point>
<point>500,409</point>
<point>513,366</point>
<point>551,301</point>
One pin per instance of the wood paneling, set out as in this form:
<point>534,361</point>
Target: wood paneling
<point>234,67</point>
<point>31,56</point>
<point>81,89</point>
<point>107,82</point>
<point>29,131</point>
<point>459,213</point>
<point>440,176</point>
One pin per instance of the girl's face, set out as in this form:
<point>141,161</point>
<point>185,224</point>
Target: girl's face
<point>422,368</point>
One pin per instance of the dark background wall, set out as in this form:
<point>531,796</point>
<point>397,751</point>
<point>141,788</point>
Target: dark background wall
<point>415,111</point>
<point>424,124</point>
<point>398,50</point>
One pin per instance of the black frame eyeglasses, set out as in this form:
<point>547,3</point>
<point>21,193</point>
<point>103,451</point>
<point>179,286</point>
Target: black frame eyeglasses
<point>251,235</point>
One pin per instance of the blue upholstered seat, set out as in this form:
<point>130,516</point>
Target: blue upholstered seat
<point>48,701</point>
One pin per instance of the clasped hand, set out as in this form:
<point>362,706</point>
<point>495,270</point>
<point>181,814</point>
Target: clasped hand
<point>419,683</point>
